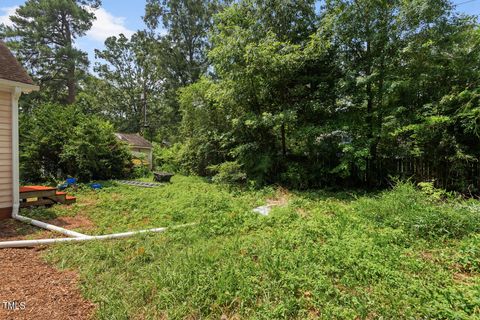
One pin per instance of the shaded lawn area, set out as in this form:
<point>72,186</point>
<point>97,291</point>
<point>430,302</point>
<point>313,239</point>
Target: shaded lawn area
<point>396,255</point>
<point>119,208</point>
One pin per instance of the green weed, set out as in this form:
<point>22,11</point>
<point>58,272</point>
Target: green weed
<point>388,256</point>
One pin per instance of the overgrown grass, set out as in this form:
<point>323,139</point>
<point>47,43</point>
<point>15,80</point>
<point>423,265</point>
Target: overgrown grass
<point>397,255</point>
<point>117,207</point>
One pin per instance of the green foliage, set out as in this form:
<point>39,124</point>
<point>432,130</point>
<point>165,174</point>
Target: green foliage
<point>296,176</point>
<point>140,167</point>
<point>338,98</point>
<point>229,173</point>
<point>140,171</point>
<point>322,256</point>
<point>241,117</point>
<point>434,193</point>
<point>167,158</point>
<point>415,212</point>
<point>59,141</point>
<point>186,24</point>
<point>178,36</point>
<point>470,254</point>
<point>265,92</point>
<point>43,35</point>
<point>94,153</point>
<point>128,73</point>
<point>349,93</point>
<point>202,128</point>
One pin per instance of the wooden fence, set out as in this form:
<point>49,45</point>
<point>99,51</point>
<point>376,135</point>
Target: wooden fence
<point>463,176</point>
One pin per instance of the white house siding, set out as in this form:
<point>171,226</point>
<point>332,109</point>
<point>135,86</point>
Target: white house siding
<point>5,150</point>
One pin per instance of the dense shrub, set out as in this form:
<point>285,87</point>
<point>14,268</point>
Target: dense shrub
<point>470,254</point>
<point>295,99</point>
<point>228,173</point>
<point>296,176</point>
<point>93,152</point>
<point>43,134</point>
<point>167,159</point>
<point>59,141</point>
<point>418,214</point>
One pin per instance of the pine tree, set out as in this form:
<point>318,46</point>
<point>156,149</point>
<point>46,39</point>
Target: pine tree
<point>43,35</point>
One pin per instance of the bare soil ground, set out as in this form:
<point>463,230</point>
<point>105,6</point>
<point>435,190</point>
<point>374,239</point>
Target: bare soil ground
<point>280,199</point>
<point>40,290</point>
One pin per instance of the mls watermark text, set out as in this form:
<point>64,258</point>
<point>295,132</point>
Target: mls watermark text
<point>14,305</point>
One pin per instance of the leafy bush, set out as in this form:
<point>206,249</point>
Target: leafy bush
<point>228,173</point>
<point>94,152</point>
<point>434,193</point>
<point>202,128</point>
<point>139,170</point>
<point>60,140</point>
<point>296,176</point>
<point>43,134</point>
<point>470,254</point>
<point>168,158</point>
<point>413,211</point>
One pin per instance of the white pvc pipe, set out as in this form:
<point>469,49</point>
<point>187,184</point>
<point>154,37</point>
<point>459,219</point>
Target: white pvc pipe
<point>48,226</point>
<point>32,243</point>
<point>16,92</point>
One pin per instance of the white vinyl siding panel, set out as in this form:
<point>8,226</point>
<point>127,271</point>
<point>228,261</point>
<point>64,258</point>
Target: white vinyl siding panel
<point>6,197</point>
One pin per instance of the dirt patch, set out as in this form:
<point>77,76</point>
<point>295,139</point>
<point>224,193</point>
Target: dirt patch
<point>13,230</point>
<point>70,223</point>
<point>464,278</point>
<point>281,198</point>
<point>40,290</point>
<point>16,230</point>
<point>33,288</point>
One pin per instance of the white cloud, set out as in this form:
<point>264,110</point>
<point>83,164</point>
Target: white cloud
<point>104,26</point>
<point>107,25</point>
<point>5,14</point>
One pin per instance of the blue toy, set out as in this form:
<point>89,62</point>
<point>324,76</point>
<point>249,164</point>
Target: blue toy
<point>96,186</point>
<point>71,181</point>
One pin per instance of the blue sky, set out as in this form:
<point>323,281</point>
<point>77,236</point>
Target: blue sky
<point>124,16</point>
<point>115,17</point>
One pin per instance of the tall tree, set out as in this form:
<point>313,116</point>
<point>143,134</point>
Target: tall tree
<point>257,59</point>
<point>379,83</point>
<point>133,82</point>
<point>179,30</point>
<point>182,27</point>
<point>370,38</point>
<point>43,37</point>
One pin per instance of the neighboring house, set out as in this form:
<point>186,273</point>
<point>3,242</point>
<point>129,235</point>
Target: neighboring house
<point>14,80</point>
<point>139,146</point>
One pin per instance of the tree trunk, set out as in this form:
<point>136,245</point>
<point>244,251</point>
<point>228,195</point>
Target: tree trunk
<point>71,85</point>
<point>373,146</point>
<point>284,144</point>
<point>71,80</point>
<point>370,175</point>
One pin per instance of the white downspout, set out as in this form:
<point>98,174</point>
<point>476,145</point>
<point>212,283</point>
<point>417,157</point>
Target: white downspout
<point>16,201</point>
<point>48,226</point>
<point>17,92</point>
<point>39,242</point>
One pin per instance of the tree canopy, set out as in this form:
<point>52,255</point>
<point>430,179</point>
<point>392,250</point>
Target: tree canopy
<point>43,37</point>
<point>303,93</point>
